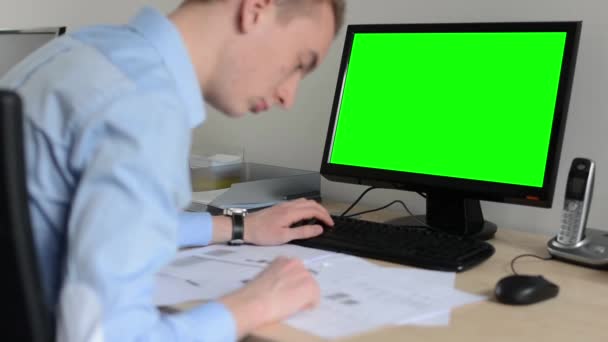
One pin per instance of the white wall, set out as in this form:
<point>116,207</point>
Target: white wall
<point>72,13</point>
<point>296,138</point>
<point>14,47</point>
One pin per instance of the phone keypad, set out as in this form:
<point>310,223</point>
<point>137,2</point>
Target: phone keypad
<point>571,220</point>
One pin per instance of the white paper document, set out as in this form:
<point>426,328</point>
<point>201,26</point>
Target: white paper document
<point>200,281</point>
<point>446,279</point>
<point>210,272</point>
<point>356,295</point>
<point>261,256</point>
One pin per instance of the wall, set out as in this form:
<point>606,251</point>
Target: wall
<point>296,138</point>
<point>72,13</point>
<point>15,46</point>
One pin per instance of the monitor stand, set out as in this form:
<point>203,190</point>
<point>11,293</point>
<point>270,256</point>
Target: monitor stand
<point>452,213</point>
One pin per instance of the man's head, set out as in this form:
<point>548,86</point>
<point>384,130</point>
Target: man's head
<point>291,8</point>
<point>264,48</point>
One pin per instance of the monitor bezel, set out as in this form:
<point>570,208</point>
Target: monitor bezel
<point>481,190</point>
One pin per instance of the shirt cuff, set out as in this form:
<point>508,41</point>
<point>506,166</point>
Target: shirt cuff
<point>210,322</point>
<point>195,229</point>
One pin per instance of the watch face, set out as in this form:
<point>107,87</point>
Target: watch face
<point>232,211</point>
<point>236,242</point>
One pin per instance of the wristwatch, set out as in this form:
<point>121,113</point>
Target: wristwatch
<point>238,225</point>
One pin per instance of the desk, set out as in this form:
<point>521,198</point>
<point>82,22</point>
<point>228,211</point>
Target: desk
<point>578,313</point>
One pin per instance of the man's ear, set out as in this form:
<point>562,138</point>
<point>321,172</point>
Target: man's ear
<point>252,12</point>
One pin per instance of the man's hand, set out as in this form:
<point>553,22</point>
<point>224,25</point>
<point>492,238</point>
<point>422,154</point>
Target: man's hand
<point>271,226</point>
<point>282,289</point>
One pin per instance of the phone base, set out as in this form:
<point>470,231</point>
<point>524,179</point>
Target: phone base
<point>592,251</point>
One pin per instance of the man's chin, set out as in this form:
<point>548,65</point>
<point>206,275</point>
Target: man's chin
<point>231,112</point>
<point>236,114</point>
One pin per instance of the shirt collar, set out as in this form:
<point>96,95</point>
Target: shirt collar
<point>165,37</point>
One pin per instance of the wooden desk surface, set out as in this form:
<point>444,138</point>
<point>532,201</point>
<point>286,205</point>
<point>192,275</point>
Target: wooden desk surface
<point>578,313</point>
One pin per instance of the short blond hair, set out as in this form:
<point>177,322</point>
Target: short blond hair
<point>293,8</point>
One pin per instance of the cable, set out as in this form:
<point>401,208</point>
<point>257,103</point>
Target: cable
<point>373,210</point>
<point>526,255</point>
<point>357,200</point>
<point>388,205</point>
<point>383,207</point>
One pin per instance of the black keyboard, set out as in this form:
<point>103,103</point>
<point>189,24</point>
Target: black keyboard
<point>417,246</point>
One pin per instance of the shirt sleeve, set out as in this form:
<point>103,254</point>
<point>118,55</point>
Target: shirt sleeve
<point>195,229</point>
<point>132,170</point>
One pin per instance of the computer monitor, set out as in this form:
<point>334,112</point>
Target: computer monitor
<point>16,44</point>
<point>459,112</point>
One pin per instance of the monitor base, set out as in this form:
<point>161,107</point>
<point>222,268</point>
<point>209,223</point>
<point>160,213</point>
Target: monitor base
<point>486,233</point>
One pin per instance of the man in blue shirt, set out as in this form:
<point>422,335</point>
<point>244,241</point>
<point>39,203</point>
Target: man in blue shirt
<point>108,118</point>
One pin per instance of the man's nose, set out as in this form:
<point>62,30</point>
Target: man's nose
<point>286,93</point>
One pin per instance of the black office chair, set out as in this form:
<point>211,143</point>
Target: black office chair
<point>26,316</point>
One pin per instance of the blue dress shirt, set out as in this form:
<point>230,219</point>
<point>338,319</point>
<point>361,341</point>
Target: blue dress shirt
<point>108,117</point>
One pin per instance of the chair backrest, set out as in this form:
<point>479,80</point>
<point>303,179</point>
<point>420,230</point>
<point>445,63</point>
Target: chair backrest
<point>26,316</point>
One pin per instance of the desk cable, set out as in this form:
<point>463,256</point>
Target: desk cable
<point>344,214</point>
<point>356,202</point>
<point>526,255</point>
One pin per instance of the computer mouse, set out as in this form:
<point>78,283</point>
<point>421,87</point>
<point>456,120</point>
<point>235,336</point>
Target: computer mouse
<point>310,222</point>
<point>524,289</point>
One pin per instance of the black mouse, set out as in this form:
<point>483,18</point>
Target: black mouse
<point>524,289</point>
<point>310,222</point>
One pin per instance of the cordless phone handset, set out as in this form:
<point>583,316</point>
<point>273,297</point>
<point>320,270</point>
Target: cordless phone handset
<point>579,189</point>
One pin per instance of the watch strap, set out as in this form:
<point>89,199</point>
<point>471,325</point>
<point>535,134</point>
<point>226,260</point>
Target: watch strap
<point>238,228</point>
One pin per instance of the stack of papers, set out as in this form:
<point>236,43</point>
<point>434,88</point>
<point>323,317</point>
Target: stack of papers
<point>356,295</point>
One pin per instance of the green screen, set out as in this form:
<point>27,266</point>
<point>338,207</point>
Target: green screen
<point>467,105</point>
